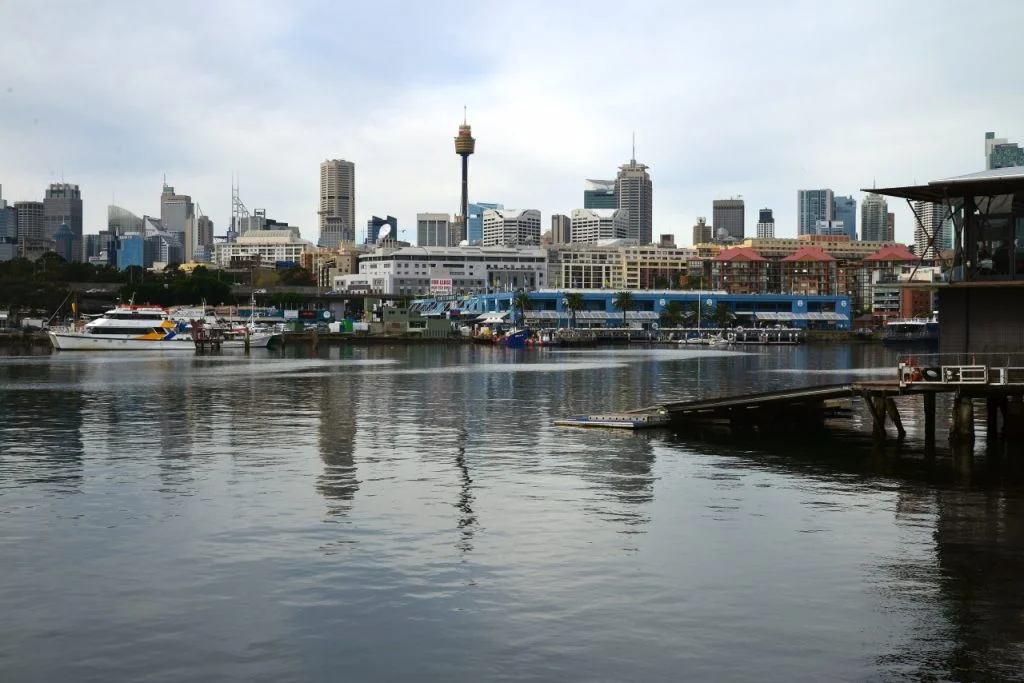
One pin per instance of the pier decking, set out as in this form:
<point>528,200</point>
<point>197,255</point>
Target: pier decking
<point>1002,389</point>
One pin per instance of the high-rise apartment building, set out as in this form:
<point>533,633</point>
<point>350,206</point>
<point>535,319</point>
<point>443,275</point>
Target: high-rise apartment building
<point>63,205</point>
<point>728,215</point>
<point>928,229</point>
<point>634,193</point>
<point>999,153</point>
<point>475,221</point>
<point>766,225</point>
<point>561,229</point>
<point>374,226</point>
<point>511,227</point>
<point>178,215</point>
<point>599,194</point>
<point>31,221</point>
<point>845,209</point>
<point>337,201</point>
<point>433,229</point>
<point>590,226</point>
<point>813,206</point>
<point>701,231</point>
<point>874,219</point>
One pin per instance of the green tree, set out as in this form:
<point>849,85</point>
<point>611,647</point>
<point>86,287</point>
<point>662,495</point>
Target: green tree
<point>624,302</point>
<point>521,304</point>
<point>722,316</point>
<point>672,314</point>
<point>574,302</point>
<point>297,276</point>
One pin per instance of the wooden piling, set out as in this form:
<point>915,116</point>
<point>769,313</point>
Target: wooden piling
<point>961,423</point>
<point>992,418</point>
<point>894,414</point>
<point>929,422</point>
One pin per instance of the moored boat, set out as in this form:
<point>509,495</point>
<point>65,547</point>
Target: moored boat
<point>909,331</point>
<point>125,328</point>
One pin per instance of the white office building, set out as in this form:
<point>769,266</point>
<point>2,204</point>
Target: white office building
<point>590,226</point>
<point>511,227</point>
<point>270,246</point>
<point>434,230</point>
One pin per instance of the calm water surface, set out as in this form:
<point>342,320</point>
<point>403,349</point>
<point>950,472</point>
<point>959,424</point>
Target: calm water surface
<point>411,514</point>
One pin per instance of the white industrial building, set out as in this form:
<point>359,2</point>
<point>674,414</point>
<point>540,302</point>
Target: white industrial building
<point>419,271</point>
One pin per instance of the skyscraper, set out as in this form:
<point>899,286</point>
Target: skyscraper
<point>874,219</point>
<point>890,236</point>
<point>599,194</point>
<point>122,222</point>
<point>634,192</point>
<point>999,153</point>
<point>63,205</point>
<point>337,201</point>
<point>766,225</point>
<point>845,210</point>
<point>374,225</point>
<point>928,228</point>
<point>813,206</point>
<point>30,220</point>
<point>561,229</point>
<point>178,215</point>
<point>728,215</point>
<point>475,221</point>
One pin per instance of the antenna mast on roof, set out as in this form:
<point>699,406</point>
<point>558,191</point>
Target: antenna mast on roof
<point>633,158</point>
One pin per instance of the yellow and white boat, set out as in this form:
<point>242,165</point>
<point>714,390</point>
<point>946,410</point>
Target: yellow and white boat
<point>126,328</point>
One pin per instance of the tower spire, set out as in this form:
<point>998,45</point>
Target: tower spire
<point>464,115</point>
<point>633,158</point>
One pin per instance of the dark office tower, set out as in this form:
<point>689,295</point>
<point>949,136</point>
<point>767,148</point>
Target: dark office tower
<point>62,205</point>
<point>374,225</point>
<point>599,194</point>
<point>765,225</point>
<point>727,214</point>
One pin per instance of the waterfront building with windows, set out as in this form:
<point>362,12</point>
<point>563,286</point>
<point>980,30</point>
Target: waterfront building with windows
<point>549,308</point>
<point>410,270</point>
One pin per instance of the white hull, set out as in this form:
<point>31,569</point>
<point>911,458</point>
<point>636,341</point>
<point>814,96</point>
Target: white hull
<point>259,340</point>
<point>74,341</point>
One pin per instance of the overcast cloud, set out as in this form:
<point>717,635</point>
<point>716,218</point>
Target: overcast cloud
<point>730,98</point>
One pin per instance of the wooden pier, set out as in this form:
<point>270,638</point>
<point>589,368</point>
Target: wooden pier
<point>803,409</point>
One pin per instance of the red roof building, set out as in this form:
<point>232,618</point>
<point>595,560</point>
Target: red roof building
<point>809,271</point>
<point>740,270</point>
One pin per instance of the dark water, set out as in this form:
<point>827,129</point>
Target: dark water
<point>411,514</point>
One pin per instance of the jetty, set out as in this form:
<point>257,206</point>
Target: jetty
<point>1000,389</point>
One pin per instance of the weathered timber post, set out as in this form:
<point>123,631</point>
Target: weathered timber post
<point>961,428</point>
<point>929,422</point>
<point>894,415</point>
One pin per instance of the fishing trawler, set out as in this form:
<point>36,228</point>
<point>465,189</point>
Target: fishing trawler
<point>126,328</point>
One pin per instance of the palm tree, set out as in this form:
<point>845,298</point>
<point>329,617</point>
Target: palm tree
<point>574,302</point>
<point>521,303</point>
<point>624,302</point>
<point>672,314</point>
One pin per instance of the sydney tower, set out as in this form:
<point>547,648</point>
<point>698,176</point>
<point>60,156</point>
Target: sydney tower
<point>464,146</point>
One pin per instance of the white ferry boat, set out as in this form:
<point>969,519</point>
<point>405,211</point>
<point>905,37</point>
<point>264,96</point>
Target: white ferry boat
<point>126,328</point>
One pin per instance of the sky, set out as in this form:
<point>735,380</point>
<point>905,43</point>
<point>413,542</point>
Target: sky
<point>726,99</point>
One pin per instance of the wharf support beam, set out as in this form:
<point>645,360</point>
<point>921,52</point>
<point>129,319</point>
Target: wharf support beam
<point>961,421</point>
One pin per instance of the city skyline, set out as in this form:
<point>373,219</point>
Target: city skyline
<point>399,110</point>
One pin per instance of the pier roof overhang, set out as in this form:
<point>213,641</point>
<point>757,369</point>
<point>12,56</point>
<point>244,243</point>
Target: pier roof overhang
<point>997,181</point>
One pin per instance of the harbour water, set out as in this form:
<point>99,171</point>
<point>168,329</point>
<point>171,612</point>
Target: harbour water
<point>410,513</point>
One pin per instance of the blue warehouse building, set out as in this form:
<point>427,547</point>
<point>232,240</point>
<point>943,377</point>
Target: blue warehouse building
<point>548,308</point>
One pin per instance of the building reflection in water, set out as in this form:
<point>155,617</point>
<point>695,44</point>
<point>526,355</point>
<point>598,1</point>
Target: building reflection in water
<point>41,429</point>
<point>337,433</point>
